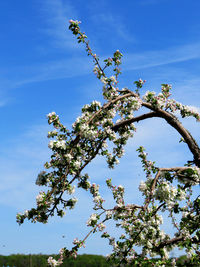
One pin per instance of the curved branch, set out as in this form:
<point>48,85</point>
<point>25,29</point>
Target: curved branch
<point>175,240</point>
<point>171,120</point>
<point>176,124</point>
<point>135,119</point>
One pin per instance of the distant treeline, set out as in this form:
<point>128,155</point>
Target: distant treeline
<point>40,260</point>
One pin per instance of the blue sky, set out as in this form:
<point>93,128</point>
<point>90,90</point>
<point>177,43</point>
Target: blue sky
<point>43,69</point>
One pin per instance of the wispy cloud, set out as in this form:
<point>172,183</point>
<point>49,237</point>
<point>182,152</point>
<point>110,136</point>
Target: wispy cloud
<point>21,160</point>
<point>57,14</point>
<point>77,66</point>
<point>3,103</point>
<point>115,25</point>
<point>52,70</point>
<point>188,89</point>
<point>148,59</point>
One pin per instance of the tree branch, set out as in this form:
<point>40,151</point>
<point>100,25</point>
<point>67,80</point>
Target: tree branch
<point>172,121</point>
<point>135,119</point>
<point>175,240</point>
<point>176,124</point>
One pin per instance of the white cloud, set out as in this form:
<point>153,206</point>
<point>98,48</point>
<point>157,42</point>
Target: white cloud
<point>52,70</point>
<point>57,14</point>
<point>115,26</point>
<point>77,66</point>
<point>188,90</point>
<point>3,103</point>
<point>21,160</point>
<point>148,59</point>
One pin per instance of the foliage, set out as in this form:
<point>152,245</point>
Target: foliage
<point>165,190</point>
<point>21,260</point>
<point>85,260</point>
<point>39,260</point>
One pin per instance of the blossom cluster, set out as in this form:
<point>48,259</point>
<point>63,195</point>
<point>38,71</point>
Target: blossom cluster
<point>162,101</point>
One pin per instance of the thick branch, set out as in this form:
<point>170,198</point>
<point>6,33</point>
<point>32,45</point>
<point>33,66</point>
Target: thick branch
<point>176,124</point>
<point>176,240</point>
<point>135,119</point>
<point>171,120</point>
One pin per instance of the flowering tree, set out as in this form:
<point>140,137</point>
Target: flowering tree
<point>165,190</point>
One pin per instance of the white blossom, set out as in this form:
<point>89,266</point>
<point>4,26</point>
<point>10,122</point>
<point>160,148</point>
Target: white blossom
<point>40,198</point>
<point>109,214</point>
<point>142,186</point>
<point>77,164</point>
<point>51,143</point>
<point>68,157</point>
<point>61,144</point>
<point>71,189</point>
<point>97,199</point>
<point>101,226</point>
<point>52,262</point>
<point>92,220</point>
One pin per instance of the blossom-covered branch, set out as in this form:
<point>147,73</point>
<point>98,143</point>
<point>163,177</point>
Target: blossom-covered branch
<point>165,190</point>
